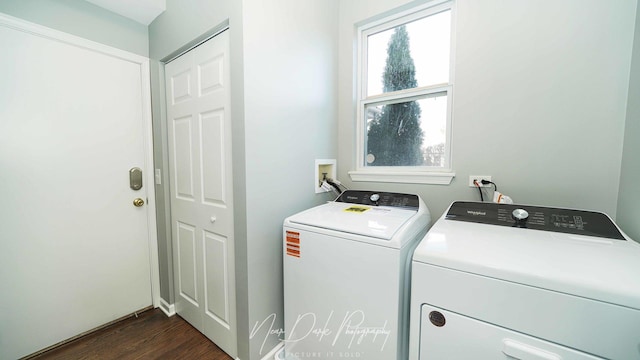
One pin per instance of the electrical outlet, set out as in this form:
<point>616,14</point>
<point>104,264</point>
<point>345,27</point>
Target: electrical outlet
<point>478,178</point>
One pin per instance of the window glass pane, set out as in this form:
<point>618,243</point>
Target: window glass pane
<point>411,133</point>
<point>411,55</point>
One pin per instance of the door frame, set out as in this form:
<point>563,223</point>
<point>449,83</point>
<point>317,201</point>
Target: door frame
<point>147,142</point>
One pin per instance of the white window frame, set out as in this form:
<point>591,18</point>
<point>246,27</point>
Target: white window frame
<point>400,174</point>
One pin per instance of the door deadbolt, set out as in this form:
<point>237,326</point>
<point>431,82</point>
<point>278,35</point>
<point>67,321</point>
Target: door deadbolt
<point>137,202</point>
<point>135,178</point>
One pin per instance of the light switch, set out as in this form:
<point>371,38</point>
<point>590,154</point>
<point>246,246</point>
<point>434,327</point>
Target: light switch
<point>158,177</point>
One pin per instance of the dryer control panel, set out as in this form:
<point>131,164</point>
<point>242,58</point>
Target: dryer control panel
<point>375,198</point>
<point>579,222</point>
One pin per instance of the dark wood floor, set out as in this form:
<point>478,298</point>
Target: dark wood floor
<point>152,335</point>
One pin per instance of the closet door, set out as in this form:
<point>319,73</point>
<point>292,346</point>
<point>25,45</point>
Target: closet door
<point>199,128</point>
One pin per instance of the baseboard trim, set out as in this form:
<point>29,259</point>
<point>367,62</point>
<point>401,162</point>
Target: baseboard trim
<point>167,309</point>
<point>74,338</point>
<point>271,354</point>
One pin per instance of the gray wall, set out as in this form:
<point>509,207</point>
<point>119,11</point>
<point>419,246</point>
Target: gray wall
<point>628,215</point>
<point>185,20</point>
<point>82,19</point>
<point>290,65</point>
<point>540,96</point>
<point>284,66</point>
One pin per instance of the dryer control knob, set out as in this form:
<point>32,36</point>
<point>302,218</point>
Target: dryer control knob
<point>520,214</point>
<point>374,197</point>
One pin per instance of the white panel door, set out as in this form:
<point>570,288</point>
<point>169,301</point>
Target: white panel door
<point>199,128</point>
<point>74,250</point>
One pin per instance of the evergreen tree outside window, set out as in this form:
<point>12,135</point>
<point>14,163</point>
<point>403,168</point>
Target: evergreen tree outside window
<point>405,92</point>
<point>394,136</point>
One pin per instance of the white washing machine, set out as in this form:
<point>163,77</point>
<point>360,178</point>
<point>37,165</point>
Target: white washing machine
<point>346,276</point>
<point>495,281</point>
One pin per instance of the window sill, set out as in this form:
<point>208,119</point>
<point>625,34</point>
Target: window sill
<point>414,177</point>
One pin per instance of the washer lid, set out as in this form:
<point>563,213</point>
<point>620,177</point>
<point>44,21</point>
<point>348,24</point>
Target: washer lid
<point>380,222</point>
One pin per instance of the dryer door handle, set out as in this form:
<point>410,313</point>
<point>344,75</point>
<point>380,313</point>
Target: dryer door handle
<point>518,350</point>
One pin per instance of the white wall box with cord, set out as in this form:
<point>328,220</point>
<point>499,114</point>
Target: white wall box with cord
<point>484,181</point>
<point>324,169</point>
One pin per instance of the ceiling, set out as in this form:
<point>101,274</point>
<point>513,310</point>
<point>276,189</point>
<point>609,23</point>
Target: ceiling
<point>142,11</point>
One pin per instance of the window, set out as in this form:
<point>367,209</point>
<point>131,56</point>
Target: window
<point>404,96</point>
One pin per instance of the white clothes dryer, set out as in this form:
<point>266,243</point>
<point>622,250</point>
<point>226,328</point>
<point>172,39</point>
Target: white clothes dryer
<point>497,281</point>
<point>346,281</point>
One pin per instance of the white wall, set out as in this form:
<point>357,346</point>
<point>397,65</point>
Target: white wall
<point>539,99</point>
<point>82,19</point>
<point>628,215</point>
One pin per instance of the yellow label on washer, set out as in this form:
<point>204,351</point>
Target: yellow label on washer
<point>357,209</point>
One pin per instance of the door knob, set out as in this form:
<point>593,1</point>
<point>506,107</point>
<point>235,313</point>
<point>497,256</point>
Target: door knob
<point>137,202</point>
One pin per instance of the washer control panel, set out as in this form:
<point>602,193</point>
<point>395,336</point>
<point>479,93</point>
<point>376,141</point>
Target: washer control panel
<point>376,198</point>
<point>580,222</point>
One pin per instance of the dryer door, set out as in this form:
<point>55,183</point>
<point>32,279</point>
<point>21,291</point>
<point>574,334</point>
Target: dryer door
<point>447,335</point>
